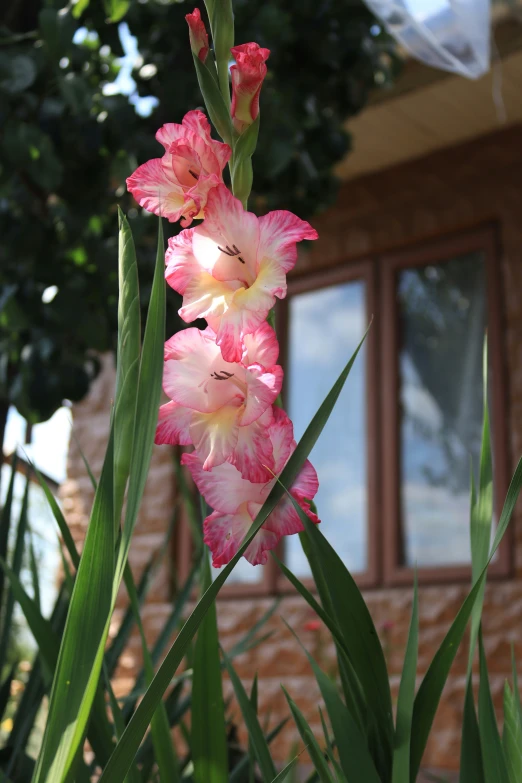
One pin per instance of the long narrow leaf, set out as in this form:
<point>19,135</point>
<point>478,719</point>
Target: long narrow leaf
<point>315,752</point>
<point>356,761</point>
<point>401,753</point>
<point>128,364</point>
<point>5,524</point>
<point>148,401</point>
<point>255,733</point>
<point>208,739</point>
<point>429,693</point>
<point>361,640</point>
<point>16,566</point>
<point>86,629</point>
<point>471,769</point>
<point>160,730</point>
<point>495,769</point>
<point>512,736</point>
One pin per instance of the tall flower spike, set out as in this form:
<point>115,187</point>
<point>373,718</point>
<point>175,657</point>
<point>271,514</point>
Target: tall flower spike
<point>177,185</point>
<point>236,502</point>
<point>247,78</point>
<point>222,408</point>
<point>198,35</point>
<point>231,268</point>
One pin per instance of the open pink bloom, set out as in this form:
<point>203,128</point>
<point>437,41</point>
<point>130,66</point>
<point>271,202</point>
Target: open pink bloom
<point>177,185</point>
<point>198,35</point>
<point>247,78</point>
<point>223,408</point>
<point>232,266</point>
<point>236,502</point>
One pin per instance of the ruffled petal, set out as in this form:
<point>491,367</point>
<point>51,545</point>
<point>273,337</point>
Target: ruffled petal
<point>173,425</point>
<point>224,533</point>
<point>156,192</point>
<point>282,437</point>
<point>261,347</point>
<point>223,487</point>
<point>263,388</point>
<point>284,519</point>
<point>215,435</point>
<point>181,266</point>
<point>253,454</point>
<point>279,231</point>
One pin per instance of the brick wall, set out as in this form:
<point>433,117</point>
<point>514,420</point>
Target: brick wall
<point>448,191</point>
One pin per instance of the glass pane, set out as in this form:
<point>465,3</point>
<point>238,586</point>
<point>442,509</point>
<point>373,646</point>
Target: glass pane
<point>442,318</point>
<point>244,573</point>
<point>325,327</point>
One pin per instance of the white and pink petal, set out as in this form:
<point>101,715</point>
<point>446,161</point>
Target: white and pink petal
<point>173,425</point>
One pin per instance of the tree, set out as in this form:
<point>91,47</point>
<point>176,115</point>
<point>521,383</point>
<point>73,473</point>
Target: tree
<point>68,140</point>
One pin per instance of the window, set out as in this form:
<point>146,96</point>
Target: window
<point>393,459</point>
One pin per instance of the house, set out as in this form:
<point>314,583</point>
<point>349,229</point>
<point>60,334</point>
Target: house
<point>426,237</point>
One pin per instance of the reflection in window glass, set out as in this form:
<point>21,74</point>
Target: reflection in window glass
<point>244,573</point>
<point>325,327</point>
<point>442,318</point>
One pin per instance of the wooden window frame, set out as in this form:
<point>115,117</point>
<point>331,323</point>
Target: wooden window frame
<point>379,273</point>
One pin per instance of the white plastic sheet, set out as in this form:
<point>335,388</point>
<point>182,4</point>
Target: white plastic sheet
<point>453,35</point>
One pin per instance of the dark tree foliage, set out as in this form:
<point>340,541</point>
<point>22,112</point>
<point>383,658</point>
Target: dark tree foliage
<point>66,147</point>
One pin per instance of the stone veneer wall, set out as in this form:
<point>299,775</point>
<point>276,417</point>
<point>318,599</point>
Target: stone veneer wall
<point>448,191</point>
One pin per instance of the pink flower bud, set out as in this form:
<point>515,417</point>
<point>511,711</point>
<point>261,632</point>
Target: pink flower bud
<point>247,77</point>
<point>198,35</point>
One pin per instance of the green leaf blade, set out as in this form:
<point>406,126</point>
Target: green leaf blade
<point>208,736</point>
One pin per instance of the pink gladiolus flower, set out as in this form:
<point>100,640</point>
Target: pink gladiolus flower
<point>247,78</point>
<point>236,502</point>
<point>231,268</point>
<point>223,408</point>
<point>177,185</point>
<point>198,35</point>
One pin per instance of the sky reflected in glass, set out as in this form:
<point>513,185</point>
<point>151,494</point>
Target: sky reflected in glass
<point>325,327</point>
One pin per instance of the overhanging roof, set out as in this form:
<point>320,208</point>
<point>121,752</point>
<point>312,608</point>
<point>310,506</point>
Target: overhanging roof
<point>428,109</point>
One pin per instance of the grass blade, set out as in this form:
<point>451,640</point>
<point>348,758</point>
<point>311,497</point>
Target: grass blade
<point>255,733</point>
<point>512,736</point>
<point>481,519</point>
<point>208,738</point>
<point>401,753</point>
<point>5,524</point>
<point>315,752</point>
<point>148,401</point>
<point>429,693</point>
<point>495,769</point>
<point>81,650</point>
<point>128,363</point>
<point>362,642</point>
<point>471,769</point>
<point>165,754</point>
<point>16,566</point>
<point>356,761</point>
<point>351,684</point>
